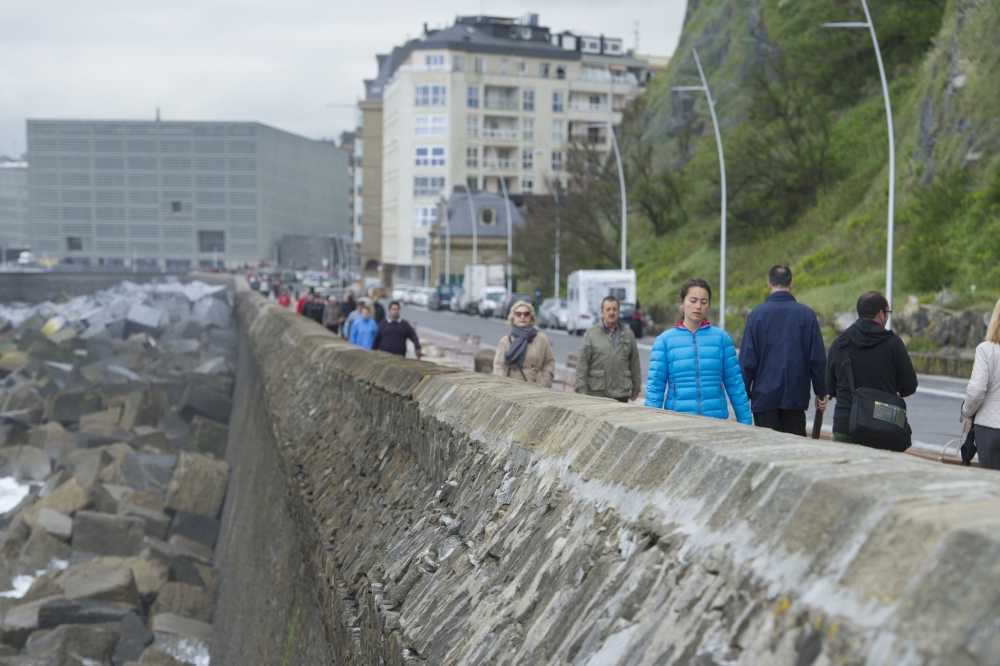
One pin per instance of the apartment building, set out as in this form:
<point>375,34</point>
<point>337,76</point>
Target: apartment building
<point>488,102</point>
<point>13,204</point>
<point>178,194</point>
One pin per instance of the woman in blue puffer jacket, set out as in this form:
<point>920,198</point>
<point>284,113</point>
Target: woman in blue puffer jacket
<point>693,366</point>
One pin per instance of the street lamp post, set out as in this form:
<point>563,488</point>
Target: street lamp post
<point>510,233</point>
<point>890,233</point>
<point>722,171</point>
<point>475,238</point>
<point>555,195</point>
<point>621,184</point>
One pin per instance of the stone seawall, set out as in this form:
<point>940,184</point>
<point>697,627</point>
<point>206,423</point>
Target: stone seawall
<point>447,517</point>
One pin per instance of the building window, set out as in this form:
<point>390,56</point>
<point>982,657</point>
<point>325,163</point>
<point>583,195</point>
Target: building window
<point>472,98</point>
<point>529,100</point>
<point>74,244</point>
<point>472,156</point>
<point>176,207</point>
<point>528,159</point>
<point>561,72</point>
<point>424,216</point>
<point>430,95</point>
<point>428,186</point>
<point>458,63</point>
<point>529,129</point>
<point>487,216</point>
<point>543,70</point>
<point>434,61</point>
<point>420,248</point>
<point>557,130</point>
<point>429,125</point>
<point>211,241</point>
<point>503,65</point>
<point>557,102</point>
<point>480,65</point>
<point>472,127</point>
<point>422,156</point>
<point>522,67</point>
<point>557,160</point>
<point>472,182</point>
<point>527,186</point>
<point>426,156</point>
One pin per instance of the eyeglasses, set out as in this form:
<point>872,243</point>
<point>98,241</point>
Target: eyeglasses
<point>522,313</point>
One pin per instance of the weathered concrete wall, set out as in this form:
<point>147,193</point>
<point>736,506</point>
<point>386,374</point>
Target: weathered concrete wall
<point>456,518</point>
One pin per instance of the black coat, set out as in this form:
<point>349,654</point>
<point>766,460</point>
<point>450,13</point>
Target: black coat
<point>879,360</point>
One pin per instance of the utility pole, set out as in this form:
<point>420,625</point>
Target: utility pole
<point>890,233</point>
<point>722,171</point>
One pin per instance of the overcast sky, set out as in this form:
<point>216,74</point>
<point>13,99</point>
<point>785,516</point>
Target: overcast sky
<point>283,63</point>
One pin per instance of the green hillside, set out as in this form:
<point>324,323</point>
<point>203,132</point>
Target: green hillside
<point>805,135</point>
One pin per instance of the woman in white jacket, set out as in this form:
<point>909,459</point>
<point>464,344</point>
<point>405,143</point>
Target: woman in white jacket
<point>982,397</point>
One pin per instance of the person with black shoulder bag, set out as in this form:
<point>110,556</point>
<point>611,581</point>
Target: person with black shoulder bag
<point>869,372</point>
<point>982,399</point>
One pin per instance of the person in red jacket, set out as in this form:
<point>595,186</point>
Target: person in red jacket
<point>284,300</point>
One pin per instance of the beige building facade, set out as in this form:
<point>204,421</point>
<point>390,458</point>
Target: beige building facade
<point>483,100</point>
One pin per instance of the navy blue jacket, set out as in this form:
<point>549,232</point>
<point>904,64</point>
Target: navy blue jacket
<point>782,351</point>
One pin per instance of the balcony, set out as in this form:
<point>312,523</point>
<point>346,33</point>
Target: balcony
<point>604,76</point>
<point>501,103</point>
<point>502,164</point>
<point>426,68</point>
<point>501,134</point>
<point>587,106</point>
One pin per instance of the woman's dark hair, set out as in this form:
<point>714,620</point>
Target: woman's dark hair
<point>694,282</point>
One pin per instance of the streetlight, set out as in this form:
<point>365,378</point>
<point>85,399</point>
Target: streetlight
<point>510,225</point>
<point>722,171</point>
<point>443,217</point>
<point>892,149</point>
<point>555,194</point>
<point>475,238</point>
<point>621,182</point>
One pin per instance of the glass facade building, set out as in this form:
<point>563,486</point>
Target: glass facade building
<point>178,194</point>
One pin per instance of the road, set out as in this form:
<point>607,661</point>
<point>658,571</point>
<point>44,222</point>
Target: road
<point>933,410</point>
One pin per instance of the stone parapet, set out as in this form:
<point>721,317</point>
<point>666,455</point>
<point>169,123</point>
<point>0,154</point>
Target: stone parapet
<point>450,517</point>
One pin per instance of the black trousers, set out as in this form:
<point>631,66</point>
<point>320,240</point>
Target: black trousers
<point>792,421</point>
<point>988,446</point>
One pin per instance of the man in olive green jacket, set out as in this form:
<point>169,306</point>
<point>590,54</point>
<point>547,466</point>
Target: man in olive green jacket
<point>609,358</point>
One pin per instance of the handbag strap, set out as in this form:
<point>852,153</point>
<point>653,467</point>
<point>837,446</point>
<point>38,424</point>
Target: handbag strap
<point>848,366</point>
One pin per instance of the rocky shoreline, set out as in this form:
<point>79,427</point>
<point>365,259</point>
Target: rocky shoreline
<point>114,413</point>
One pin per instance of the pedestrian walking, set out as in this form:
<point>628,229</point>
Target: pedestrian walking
<point>393,333</point>
<point>781,355</point>
<point>364,328</point>
<point>608,366</point>
<point>346,308</point>
<point>316,311</point>
<point>867,356</point>
<point>524,353</point>
<point>693,366</point>
<point>379,312</point>
<point>982,395</point>
<point>284,300</point>
<point>300,305</point>
<point>331,314</point>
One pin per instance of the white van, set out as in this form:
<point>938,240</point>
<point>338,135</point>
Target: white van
<point>586,291</point>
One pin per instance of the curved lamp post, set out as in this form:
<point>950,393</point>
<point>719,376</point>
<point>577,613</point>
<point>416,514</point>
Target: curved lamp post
<point>555,195</point>
<point>890,233</point>
<point>510,225</point>
<point>722,171</point>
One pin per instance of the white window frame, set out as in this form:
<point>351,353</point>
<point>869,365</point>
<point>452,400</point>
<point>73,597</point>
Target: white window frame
<point>424,250</point>
<point>472,127</point>
<point>528,127</point>
<point>436,60</point>
<point>543,69</point>
<point>527,186</point>
<point>424,217</point>
<point>558,131</point>
<point>472,97</point>
<point>558,102</point>
<point>426,94</point>
<point>557,160</point>
<point>527,159</point>
<point>528,100</point>
<point>427,186</point>
<point>472,157</point>
<point>428,156</point>
<point>480,65</point>
<point>424,125</point>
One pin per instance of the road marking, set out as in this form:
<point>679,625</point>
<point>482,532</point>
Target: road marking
<point>941,394</point>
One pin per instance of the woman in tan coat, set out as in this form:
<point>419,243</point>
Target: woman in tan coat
<point>524,353</point>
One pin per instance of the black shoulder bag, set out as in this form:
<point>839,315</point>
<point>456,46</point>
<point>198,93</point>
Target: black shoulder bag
<point>878,419</point>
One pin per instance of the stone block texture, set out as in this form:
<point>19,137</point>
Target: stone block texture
<point>449,517</point>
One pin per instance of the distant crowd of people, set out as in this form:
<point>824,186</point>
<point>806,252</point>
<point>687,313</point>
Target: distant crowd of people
<point>694,368</point>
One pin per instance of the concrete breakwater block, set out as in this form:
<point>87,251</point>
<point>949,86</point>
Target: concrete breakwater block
<point>198,485</point>
<point>105,534</point>
<point>206,402</point>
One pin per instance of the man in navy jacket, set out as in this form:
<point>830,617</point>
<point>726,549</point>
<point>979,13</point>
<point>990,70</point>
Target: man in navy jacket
<point>781,354</point>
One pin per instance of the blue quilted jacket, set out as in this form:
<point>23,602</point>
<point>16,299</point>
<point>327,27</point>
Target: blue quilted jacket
<point>696,371</point>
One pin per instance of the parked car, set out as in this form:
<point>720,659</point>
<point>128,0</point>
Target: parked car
<point>441,298</point>
<point>548,312</point>
<point>637,320</point>
<point>399,294</point>
<point>459,301</point>
<point>508,303</point>
<point>491,299</point>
